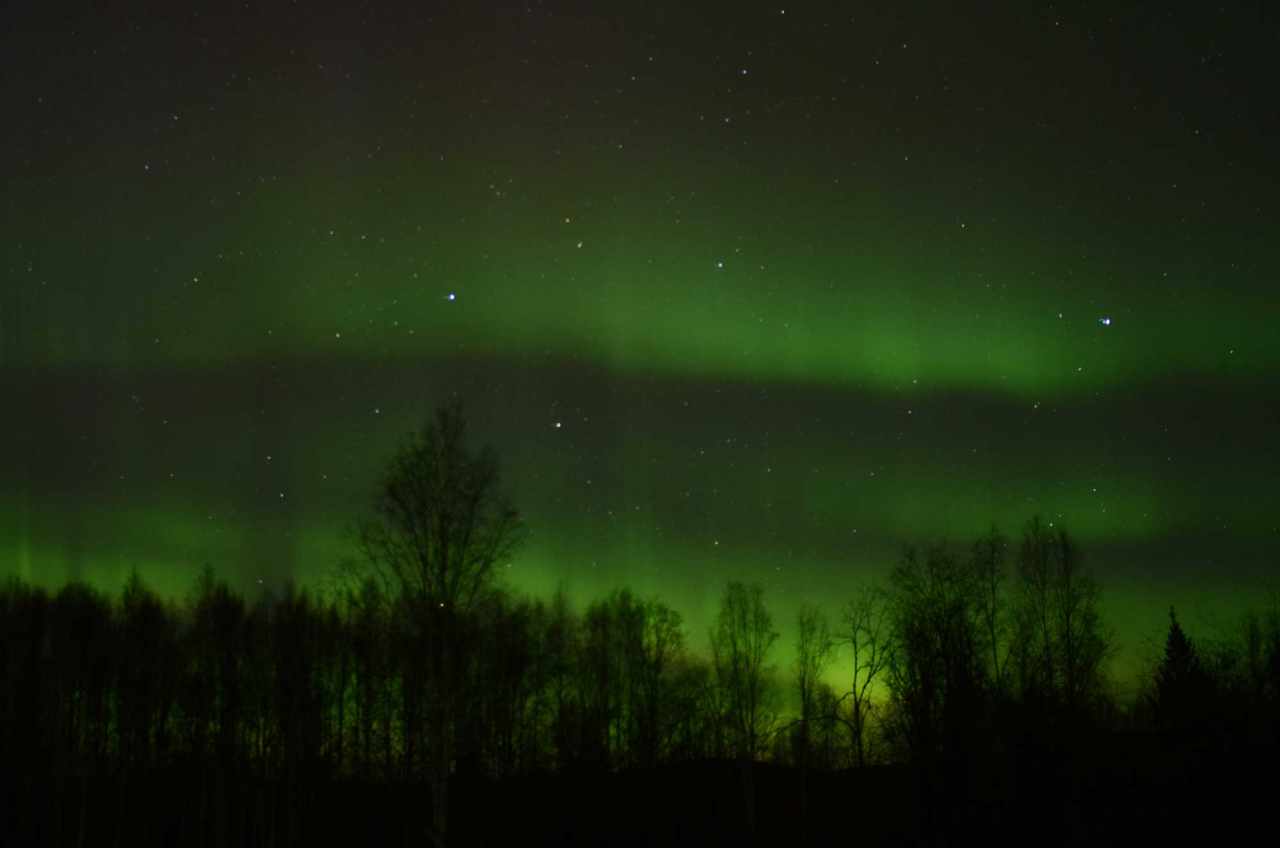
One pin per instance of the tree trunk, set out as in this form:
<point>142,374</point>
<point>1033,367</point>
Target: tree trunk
<point>748,797</point>
<point>440,789</point>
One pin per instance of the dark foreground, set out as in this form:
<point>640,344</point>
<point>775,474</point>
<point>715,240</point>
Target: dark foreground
<point>1141,791</point>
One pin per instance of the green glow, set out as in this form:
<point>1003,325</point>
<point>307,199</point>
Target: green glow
<point>645,295</point>
<point>693,324</point>
<point>778,349</point>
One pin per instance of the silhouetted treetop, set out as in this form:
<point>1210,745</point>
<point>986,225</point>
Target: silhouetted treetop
<point>1182,681</point>
<point>441,522</point>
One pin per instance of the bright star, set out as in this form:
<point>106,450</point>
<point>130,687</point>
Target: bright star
<point>1105,321</point>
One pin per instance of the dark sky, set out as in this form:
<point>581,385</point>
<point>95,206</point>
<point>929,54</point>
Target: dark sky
<point>737,290</point>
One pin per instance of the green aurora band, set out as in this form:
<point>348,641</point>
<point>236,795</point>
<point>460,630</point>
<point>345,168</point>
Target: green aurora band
<point>774,349</point>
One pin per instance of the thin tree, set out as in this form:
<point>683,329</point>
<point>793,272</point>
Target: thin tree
<point>148,674</point>
<point>937,672</point>
<point>1084,646</point>
<point>813,654</point>
<point>988,567</point>
<point>1061,644</point>
<point>561,641</point>
<point>868,635</point>
<point>740,643</point>
<point>1182,683</point>
<point>440,526</point>
<point>659,647</point>
<point>1036,642</point>
<point>601,687</point>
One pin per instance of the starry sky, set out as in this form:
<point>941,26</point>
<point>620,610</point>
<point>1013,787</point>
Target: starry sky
<point>738,291</point>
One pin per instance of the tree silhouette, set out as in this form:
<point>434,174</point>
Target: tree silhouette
<point>297,706</point>
<point>1060,646</point>
<point>1254,656</point>
<point>869,639</point>
<point>741,639</point>
<point>334,670</point>
<point>505,684</point>
<point>23,641</point>
<point>600,685</point>
<point>148,675</point>
<point>218,723</point>
<point>1182,682</point>
<point>813,654</point>
<point>82,633</point>
<point>936,671</point>
<point>213,692</point>
<point>697,729</point>
<point>369,640</point>
<point>655,640</point>
<point>440,526</point>
<point>937,677</point>
<point>988,559</point>
<point>562,640</point>
<point>740,643</point>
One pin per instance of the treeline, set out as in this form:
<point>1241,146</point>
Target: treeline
<point>254,709</point>
<point>291,682</point>
<point>980,671</point>
<point>338,684</point>
<point>997,697</point>
<point>953,664</point>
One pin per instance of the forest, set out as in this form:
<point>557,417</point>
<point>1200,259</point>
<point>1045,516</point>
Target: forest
<point>415,700</point>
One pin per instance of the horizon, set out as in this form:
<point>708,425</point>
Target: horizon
<point>759,294</point>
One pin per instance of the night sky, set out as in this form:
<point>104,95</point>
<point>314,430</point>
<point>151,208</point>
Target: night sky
<point>738,291</point>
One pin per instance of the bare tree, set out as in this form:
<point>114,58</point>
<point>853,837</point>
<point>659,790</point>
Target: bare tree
<point>440,526</point>
<point>1084,645</point>
<point>696,731</point>
<point>336,671</point>
<point>1036,644</point>
<point>813,654</point>
<point>504,683</point>
<point>740,644</point>
<point>601,689</point>
<point>660,642</point>
<point>562,639</point>
<point>868,635</point>
<point>988,567</point>
<point>936,673</point>
<point>149,667</point>
<point>1062,646</point>
<point>367,615</point>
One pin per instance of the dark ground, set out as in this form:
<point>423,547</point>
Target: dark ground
<point>1141,790</point>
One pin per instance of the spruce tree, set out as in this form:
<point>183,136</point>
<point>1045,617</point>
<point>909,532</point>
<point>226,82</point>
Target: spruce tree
<point>1181,682</point>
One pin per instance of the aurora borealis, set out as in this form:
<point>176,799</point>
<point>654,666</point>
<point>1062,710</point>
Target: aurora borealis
<point>736,292</point>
